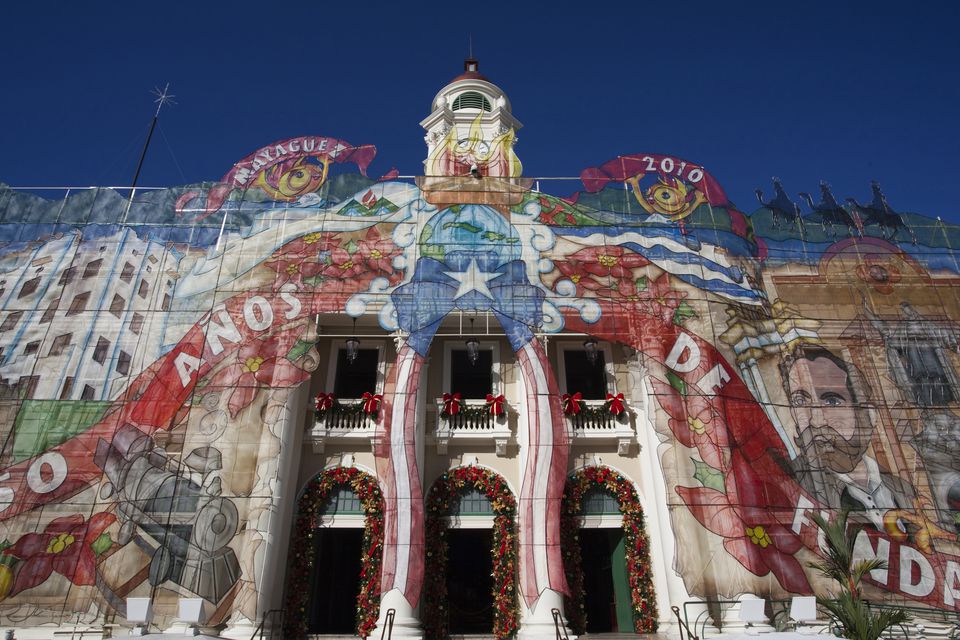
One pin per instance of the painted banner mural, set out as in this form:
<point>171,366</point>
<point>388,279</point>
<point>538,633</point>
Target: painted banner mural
<point>798,362</point>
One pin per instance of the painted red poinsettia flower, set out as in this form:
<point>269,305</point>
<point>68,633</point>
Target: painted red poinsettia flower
<point>376,252</point>
<point>745,515</point>
<point>607,271</point>
<point>695,423</point>
<point>65,546</point>
<point>612,260</point>
<point>344,265</point>
<point>575,271</point>
<point>295,269</point>
<point>310,244</point>
<point>259,364</point>
<point>659,300</point>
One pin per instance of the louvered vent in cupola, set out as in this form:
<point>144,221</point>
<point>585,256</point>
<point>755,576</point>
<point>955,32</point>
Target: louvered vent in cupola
<point>471,100</point>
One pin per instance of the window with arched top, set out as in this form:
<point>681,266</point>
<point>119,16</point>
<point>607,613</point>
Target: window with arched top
<point>599,502</point>
<point>472,503</point>
<point>342,501</point>
<point>471,100</point>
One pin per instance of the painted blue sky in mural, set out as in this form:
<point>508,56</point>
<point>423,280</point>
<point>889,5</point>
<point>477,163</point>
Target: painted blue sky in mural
<point>847,93</point>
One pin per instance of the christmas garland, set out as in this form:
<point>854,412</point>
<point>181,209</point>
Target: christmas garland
<point>643,600</point>
<point>443,494</point>
<point>302,559</point>
<point>368,405</point>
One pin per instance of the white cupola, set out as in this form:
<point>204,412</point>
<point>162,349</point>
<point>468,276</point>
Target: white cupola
<point>471,129</point>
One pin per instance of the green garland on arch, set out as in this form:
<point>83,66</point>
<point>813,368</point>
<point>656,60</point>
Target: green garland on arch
<point>302,558</point>
<point>643,600</point>
<point>442,495</point>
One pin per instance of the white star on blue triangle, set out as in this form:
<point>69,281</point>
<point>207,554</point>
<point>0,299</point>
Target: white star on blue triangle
<point>473,279</point>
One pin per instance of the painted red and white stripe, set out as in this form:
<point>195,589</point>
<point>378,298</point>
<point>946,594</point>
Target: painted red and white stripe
<point>400,479</point>
<point>544,470</point>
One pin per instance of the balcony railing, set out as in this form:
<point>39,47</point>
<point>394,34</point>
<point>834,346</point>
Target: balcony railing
<point>473,423</point>
<point>344,422</point>
<point>595,424</point>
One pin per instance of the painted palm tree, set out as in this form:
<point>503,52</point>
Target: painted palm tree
<point>849,611</point>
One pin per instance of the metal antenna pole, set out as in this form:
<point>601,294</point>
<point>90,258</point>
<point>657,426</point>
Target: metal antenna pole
<point>162,98</point>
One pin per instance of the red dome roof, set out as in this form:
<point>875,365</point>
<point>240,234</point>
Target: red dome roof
<point>470,71</point>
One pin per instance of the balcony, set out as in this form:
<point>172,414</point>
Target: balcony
<point>596,425</point>
<point>473,424</point>
<point>343,423</point>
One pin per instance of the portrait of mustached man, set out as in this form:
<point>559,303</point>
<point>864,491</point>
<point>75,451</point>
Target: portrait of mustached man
<point>830,403</point>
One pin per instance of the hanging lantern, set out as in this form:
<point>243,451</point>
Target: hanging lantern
<point>473,349</point>
<point>353,345</point>
<point>353,348</point>
<point>473,346</point>
<point>590,346</point>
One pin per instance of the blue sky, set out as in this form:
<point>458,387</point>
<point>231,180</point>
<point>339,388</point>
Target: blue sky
<point>846,92</point>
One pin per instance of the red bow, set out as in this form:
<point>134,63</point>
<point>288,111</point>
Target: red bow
<point>324,401</point>
<point>371,402</point>
<point>451,403</point>
<point>572,404</point>
<point>615,403</point>
<point>496,404</point>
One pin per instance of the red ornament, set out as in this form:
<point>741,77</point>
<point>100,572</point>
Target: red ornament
<point>324,401</point>
<point>452,403</point>
<point>615,403</point>
<point>495,404</point>
<point>572,404</point>
<point>371,403</point>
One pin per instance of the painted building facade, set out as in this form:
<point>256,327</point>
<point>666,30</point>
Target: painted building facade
<point>462,398</point>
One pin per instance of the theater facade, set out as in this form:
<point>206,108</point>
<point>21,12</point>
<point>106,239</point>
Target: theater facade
<point>304,396</point>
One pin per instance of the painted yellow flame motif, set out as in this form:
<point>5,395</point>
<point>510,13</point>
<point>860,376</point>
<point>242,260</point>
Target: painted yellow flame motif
<point>455,156</point>
<point>288,184</point>
<point>672,199</point>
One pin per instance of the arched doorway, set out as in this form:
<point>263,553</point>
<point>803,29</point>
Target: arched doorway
<point>607,567</point>
<point>456,598</point>
<point>333,583</point>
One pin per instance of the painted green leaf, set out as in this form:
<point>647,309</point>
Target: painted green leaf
<point>641,283</point>
<point>708,476</point>
<point>677,382</point>
<point>683,312</point>
<point>314,281</point>
<point>42,424</point>
<point>351,247</point>
<point>492,236</point>
<point>299,350</point>
<point>102,543</point>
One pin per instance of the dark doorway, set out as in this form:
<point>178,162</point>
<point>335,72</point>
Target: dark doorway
<point>335,581</point>
<point>469,583</point>
<point>606,590</point>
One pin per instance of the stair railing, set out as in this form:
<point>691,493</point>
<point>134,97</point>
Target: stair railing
<point>558,624</point>
<point>683,625</point>
<point>388,624</point>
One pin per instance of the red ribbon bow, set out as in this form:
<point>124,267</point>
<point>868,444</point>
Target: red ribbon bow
<point>615,403</point>
<point>371,402</point>
<point>324,401</point>
<point>451,403</point>
<point>495,403</point>
<point>572,404</point>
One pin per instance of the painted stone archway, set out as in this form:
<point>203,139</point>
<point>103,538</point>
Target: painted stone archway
<point>643,600</point>
<point>441,497</point>
<point>314,497</point>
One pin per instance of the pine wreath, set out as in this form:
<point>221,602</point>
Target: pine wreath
<point>643,600</point>
<point>302,559</point>
<point>442,495</point>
